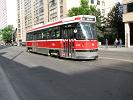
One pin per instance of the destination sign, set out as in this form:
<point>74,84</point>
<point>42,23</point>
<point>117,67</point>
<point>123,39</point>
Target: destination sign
<point>88,19</point>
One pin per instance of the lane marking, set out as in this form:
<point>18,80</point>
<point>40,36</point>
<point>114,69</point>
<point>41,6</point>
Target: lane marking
<point>131,61</point>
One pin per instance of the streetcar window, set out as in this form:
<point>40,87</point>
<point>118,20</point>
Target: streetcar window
<point>68,31</point>
<point>79,34</point>
<point>55,33</point>
<point>39,35</point>
<point>29,36</point>
<point>79,31</point>
<point>34,36</point>
<point>86,30</point>
<point>48,33</point>
<point>52,33</point>
<point>44,34</point>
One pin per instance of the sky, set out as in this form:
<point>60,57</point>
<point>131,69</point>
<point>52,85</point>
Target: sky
<point>11,12</point>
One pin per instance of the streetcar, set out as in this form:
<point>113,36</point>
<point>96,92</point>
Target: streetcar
<point>72,37</point>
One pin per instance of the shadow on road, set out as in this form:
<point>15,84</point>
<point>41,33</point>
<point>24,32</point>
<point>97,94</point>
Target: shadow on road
<point>3,47</point>
<point>43,83</point>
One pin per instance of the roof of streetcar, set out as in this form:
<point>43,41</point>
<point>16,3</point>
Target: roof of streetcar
<point>65,21</point>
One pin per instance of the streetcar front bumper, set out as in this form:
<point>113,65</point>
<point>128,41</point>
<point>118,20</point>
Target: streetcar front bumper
<point>86,54</point>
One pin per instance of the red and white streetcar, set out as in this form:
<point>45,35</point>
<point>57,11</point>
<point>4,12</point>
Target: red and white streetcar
<point>72,37</point>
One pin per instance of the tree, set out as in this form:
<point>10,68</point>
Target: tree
<point>84,3</point>
<point>84,9</point>
<point>114,21</point>
<point>7,33</point>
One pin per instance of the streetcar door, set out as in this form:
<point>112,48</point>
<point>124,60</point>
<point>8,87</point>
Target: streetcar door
<point>68,42</point>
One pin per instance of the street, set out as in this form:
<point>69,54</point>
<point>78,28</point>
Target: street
<point>30,76</point>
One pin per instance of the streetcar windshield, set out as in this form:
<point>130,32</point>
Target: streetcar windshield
<point>86,31</point>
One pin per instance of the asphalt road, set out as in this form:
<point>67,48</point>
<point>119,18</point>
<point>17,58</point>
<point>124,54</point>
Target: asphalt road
<point>29,76</point>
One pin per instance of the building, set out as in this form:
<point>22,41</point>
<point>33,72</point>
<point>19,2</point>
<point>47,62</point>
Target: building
<point>3,14</point>
<point>30,14</point>
<point>128,20</point>
<point>7,13</point>
<point>59,8</point>
<point>20,21</point>
<point>33,13</point>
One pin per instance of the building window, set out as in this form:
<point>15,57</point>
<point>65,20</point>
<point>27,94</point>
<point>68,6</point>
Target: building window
<point>103,11</point>
<point>61,1</point>
<point>53,2</point>
<point>130,7</point>
<point>19,30</point>
<point>103,3</point>
<point>98,2</point>
<point>92,1</point>
<point>41,10</point>
<point>61,9</point>
<point>61,16</point>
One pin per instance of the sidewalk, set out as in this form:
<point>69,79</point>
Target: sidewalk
<point>112,48</point>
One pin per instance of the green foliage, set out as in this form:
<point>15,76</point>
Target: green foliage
<point>74,11</point>
<point>111,37</point>
<point>114,20</point>
<point>84,3</point>
<point>7,33</point>
<point>84,9</point>
<point>114,25</point>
